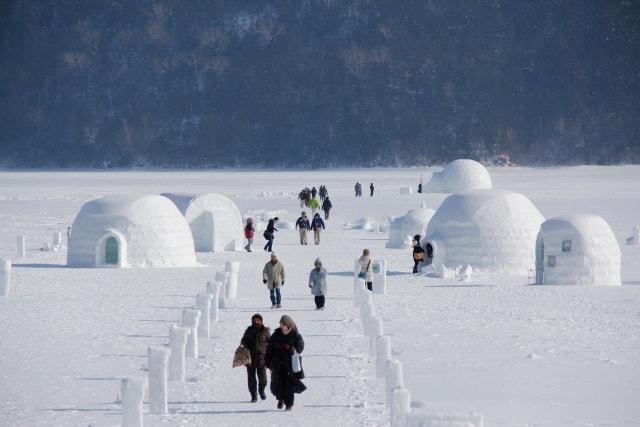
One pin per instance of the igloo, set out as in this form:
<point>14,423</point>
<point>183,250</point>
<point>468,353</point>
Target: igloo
<point>577,249</point>
<point>490,230</point>
<point>215,221</point>
<point>458,176</point>
<point>130,231</point>
<point>402,229</point>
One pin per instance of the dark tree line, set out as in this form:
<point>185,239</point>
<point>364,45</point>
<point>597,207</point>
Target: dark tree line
<point>194,83</point>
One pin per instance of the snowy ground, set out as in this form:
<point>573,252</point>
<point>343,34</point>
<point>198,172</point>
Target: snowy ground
<point>521,355</point>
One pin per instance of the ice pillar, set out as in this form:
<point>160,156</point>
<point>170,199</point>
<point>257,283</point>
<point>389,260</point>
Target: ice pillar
<point>383,344</point>
<point>132,395</point>
<point>178,342</point>
<point>231,287</point>
<point>190,319</point>
<point>380,277</point>
<point>203,303</point>
<point>158,363</point>
<point>22,247</point>
<point>5,277</point>
<point>400,406</point>
<point>393,378</point>
<point>376,331</point>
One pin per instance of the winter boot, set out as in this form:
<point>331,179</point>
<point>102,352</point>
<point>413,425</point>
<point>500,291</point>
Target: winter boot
<point>288,408</point>
<point>280,404</point>
<point>263,396</point>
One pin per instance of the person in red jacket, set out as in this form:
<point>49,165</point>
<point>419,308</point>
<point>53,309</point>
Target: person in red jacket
<point>248,233</point>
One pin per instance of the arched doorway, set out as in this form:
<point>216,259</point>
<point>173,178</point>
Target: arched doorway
<point>111,251</point>
<point>539,260</point>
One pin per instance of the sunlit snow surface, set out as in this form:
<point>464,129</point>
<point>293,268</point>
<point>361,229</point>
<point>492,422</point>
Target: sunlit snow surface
<point>520,355</point>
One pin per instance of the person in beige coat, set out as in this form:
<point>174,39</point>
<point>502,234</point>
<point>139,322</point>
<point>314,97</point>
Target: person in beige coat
<point>273,277</point>
<point>366,271</point>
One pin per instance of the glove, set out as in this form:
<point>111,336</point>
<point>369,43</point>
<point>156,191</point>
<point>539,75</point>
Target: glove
<point>264,281</point>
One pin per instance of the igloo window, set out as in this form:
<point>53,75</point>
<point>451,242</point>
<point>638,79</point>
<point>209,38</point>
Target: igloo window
<point>551,261</point>
<point>566,246</point>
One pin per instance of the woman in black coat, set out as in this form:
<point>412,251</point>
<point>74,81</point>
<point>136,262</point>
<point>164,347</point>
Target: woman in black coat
<point>418,253</point>
<point>280,348</point>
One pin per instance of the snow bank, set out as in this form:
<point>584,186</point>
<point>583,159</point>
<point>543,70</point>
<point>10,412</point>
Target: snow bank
<point>459,175</point>
<point>135,230</point>
<point>491,230</point>
<point>215,220</point>
<point>577,249</point>
<point>402,229</point>
<point>365,223</point>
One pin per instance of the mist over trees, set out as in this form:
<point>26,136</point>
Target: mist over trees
<point>193,83</point>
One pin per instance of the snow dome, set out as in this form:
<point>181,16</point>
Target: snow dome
<point>130,231</point>
<point>577,250</point>
<point>493,230</point>
<point>402,229</point>
<point>459,175</point>
<point>215,221</point>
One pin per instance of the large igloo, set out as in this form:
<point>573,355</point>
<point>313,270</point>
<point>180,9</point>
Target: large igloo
<point>577,249</point>
<point>215,221</point>
<point>403,228</point>
<point>458,176</point>
<point>130,231</point>
<point>491,230</point>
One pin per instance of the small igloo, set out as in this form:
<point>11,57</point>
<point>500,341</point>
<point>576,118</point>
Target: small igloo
<point>490,230</point>
<point>403,228</point>
<point>458,176</point>
<point>130,231</point>
<point>215,221</point>
<point>577,249</point>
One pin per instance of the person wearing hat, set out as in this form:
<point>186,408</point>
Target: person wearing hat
<point>285,340</point>
<point>318,283</point>
<point>255,338</point>
<point>302,224</point>
<point>273,276</point>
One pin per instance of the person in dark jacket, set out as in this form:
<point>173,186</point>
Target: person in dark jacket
<point>255,338</point>
<point>371,187</point>
<point>313,192</point>
<point>269,234</point>
<point>326,207</point>
<point>282,344</point>
<point>317,224</point>
<point>418,253</point>
<point>303,225</point>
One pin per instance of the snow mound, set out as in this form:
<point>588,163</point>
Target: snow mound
<point>413,222</point>
<point>459,175</point>
<point>490,230</point>
<point>130,231</point>
<point>215,220</point>
<point>577,249</point>
<point>365,223</point>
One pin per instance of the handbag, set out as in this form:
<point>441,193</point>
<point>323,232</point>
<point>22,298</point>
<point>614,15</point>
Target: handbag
<point>266,235</point>
<point>363,274</point>
<point>296,385</point>
<point>241,357</point>
<point>418,256</point>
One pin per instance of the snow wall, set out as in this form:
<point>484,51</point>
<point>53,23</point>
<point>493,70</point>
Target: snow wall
<point>402,229</point>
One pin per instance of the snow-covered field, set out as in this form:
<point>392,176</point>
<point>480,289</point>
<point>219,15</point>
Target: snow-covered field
<point>520,355</point>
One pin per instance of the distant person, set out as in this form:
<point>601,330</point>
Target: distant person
<point>273,276</point>
<point>303,225</point>
<point>255,338</point>
<point>322,192</point>
<point>269,234</point>
<point>418,253</point>
<point>318,283</point>
<point>248,233</point>
<point>420,188</point>
<point>326,207</point>
<point>366,270</point>
<point>313,192</point>
<point>314,205</point>
<point>359,190</point>
<point>371,188</point>
<point>282,344</point>
<point>302,197</point>
<point>356,188</point>
<point>317,225</point>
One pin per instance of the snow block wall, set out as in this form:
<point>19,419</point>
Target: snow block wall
<point>130,231</point>
<point>402,229</point>
<point>577,249</point>
<point>459,175</point>
<point>491,230</point>
<point>215,221</point>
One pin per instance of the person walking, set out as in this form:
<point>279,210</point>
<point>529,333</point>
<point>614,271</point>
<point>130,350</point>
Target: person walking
<point>314,205</point>
<point>269,234</point>
<point>301,197</point>
<point>366,271</point>
<point>281,347</point>
<point>418,253</point>
<point>313,192</point>
<point>273,276</point>
<point>371,188</point>
<point>318,283</point>
<point>317,225</point>
<point>248,233</point>
<point>303,225</point>
<point>356,188</point>
<point>255,338</point>
<point>326,207</point>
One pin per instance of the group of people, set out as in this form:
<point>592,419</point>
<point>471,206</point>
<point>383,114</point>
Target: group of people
<point>303,225</point>
<point>269,233</point>
<point>273,352</point>
<point>273,275</point>
<point>358,189</point>
<point>307,197</point>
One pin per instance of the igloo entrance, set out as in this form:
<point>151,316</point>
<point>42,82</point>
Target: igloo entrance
<point>204,225</point>
<point>111,251</point>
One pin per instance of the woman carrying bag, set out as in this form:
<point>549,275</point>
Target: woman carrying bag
<point>366,271</point>
<point>283,358</point>
<point>418,253</point>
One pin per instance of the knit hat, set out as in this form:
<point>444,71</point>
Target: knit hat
<point>318,261</point>
<point>256,316</point>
